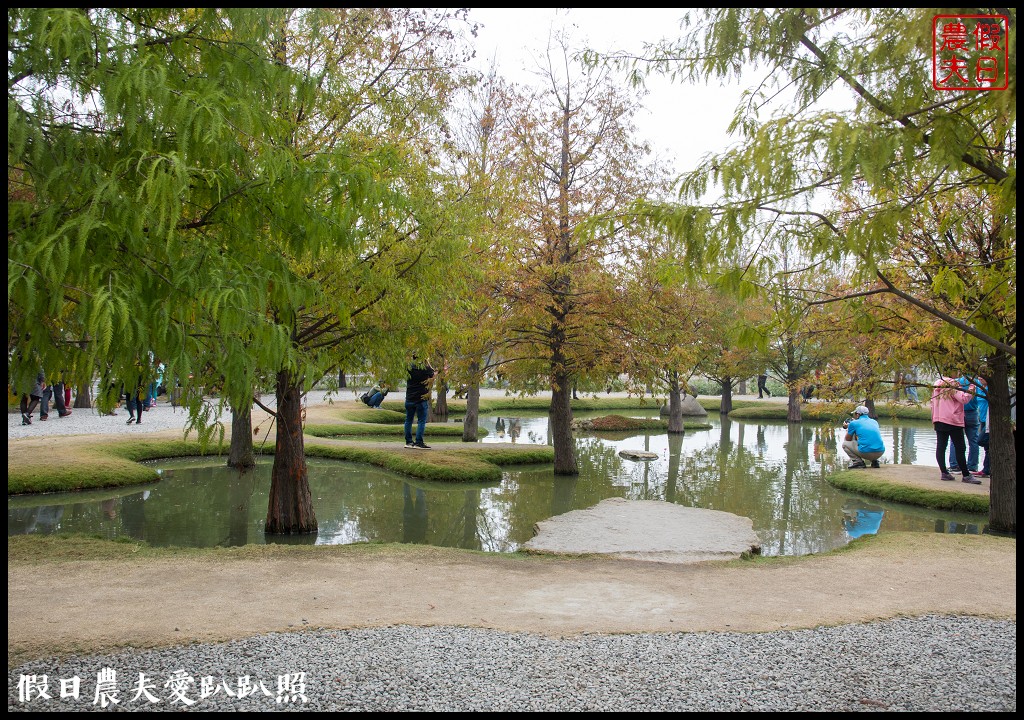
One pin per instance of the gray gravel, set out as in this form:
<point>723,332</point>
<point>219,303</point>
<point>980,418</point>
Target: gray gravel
<point>88,422</point>
<point>165,417</point>
<point>934,663</point>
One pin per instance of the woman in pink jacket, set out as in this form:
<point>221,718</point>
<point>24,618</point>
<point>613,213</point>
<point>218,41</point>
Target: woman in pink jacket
<point>948,400</point>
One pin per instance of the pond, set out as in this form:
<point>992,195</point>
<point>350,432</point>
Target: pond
<point>771,472</point>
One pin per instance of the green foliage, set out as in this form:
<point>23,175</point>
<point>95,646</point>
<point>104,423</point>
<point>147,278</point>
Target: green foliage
<point>703,386</point>
<point>847,188</point>
<point>131,221</point>
<point>198,228</point>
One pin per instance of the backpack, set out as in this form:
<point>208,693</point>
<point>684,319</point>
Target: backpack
<point>365,397</point>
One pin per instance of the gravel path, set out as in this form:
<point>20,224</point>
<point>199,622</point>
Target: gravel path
<point>929,664</point>
<point>164,416</point>
<point>89,422</point>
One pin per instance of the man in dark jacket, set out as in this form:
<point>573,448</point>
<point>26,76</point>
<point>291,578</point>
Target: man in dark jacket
<point>417,400</point>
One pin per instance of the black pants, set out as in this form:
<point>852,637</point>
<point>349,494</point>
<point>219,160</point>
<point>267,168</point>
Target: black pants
<point>943,434</point>
<point>28,407</point>
<point>762,386</point>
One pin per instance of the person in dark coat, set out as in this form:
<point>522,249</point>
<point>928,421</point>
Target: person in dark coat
<point>417,400</point>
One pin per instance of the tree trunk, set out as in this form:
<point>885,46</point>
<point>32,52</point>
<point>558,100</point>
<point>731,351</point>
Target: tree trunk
<point>1002,507</point>
<point>869,403</point>
<point>560,415</point>
<point>241,455</point>
<point>726,406</point>
<point>83,396</point>
<point>341,379</point>
<point>290,510</point>
<point>794,413</point>
<point>439,410</point>
<point>742,388</point>
<point>472,420</point>
<point>675,406</point>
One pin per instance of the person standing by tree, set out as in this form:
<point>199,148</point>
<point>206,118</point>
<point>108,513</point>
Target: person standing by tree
<point>910,378</point>
<point>417,401</point>
<point>762,385</point>
<point>134,391</point>
<point>948,400</point>
<point>972,425</point>
<point>154,384</point>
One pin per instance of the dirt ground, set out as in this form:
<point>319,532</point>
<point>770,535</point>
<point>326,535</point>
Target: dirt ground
<point>88,606</point>
<point>64,605</point>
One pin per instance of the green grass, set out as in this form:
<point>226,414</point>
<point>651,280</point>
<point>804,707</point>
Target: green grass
<point>937,499</point>
<point>382,430</point>
<point>468,464</point>
<point>112,465</point>
<point>620,423</point>
<point>827,412</point>
<point>102,466</point>
<point>714,404</point>
<point>366,415</point>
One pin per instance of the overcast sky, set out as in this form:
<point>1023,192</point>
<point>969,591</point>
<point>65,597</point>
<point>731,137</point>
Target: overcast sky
<point>682,122</point>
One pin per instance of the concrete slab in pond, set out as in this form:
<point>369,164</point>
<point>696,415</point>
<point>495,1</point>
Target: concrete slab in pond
<point>638,455</point>
<point>647,530</point>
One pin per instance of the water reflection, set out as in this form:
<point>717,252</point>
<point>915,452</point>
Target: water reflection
<point>957,528</point>
<point>860,521</point>
<point>770,472</point>
<point>414,514</point>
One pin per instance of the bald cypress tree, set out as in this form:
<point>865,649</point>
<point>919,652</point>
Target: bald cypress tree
<point>853,185</point>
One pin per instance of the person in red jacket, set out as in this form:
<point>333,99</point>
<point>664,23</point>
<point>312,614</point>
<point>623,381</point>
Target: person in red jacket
<point>948,400</point>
